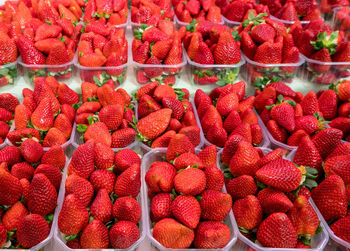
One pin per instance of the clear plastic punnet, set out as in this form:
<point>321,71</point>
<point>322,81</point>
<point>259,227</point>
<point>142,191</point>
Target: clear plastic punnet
<point>286,72</point>
<point>179,24</point>
<point>288,23</point>
<point>147,160</point>
<point>64,146</point>
<point>230,23</point>
<point>59,238</point>
<point>62,73</point>
<point>226,74</point>
<point>8,74</point>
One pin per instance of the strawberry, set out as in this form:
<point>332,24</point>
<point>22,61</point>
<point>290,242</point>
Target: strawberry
<point>31,150</point>
<point>172,234</point>
<point>186,209</point>
<point>263,33</point>
<point>273,155</point>
<point>66,95</point>
<point>126,158</point>
<point>8,102</point>
<point>278,133</point>
<point>11,155</point>
<point>327,140</point>
<point>283,114</point>
<point>161,206</point>
<point>126,208</point>
<point>309,123</point>
<point>241,187</point>
<point>29,54</point>
<point>211,117</point>
<point>123,137</point>
<point>98,133</point>
<point>3,235</point>
<point>42,195</point>
<point>227,51</point>
<point>272,175</point>
<point>342,124</point>
<point>327,103</point>
<point>338,165</point>
<point>22,116</point>
<point>153,72</point>
<point>215,178</point>
<point>89,107</point>
<point>161,48</point>
<point>273,201</point>
<point>204,55</point>
<point>32,230</point>
<point>248,45</point>
<point>185,183</point>
<point>208,156</point>
<point>58,56</point>
<point>95,235</point>
<point>162,91</point>
<point>303,217</point>
<point>111,115</point>
<point>341,149</point>
<point>226,104</point>
<point>103,179</point>
<point>163,140</point>
<point>160,177</point>
<point>129,182</point>
<point>22,170</point>
<point>203,238</point>
<point>245,160</point>
<point>158,120</point>
<point>343,90</point>
<point>51,172</point>
<point>14,215</point>
<point>330,198</point>
<point>273,50</point>
<point>232,121</point>
<point>54,137</point>
<point>42,118</point>
<point>277,231</point>
<point>11,188</point>
<point>174,125</point>
<point>341,228</point>
<point>73,216</point>
<point>217,135</point>
<point>101,207</point>
<point>248,212</point>
<point>104,156</point>
<point>179,144</point>
<point>187,159</point>
<point>5,115</point>
<point>215,205</point>
<point>82,162</point>
<point>80,187</point>
<point>123,234</point>
<point>310,104</point>
<point>175,105</point>
<point>142,53</point>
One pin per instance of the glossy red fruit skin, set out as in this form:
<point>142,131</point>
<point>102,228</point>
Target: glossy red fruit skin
<point>212,235</point>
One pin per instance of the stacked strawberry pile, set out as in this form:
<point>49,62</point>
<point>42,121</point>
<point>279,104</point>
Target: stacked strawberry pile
<point>342,21</point>
<point>200,10</point>
<point>266,41</point>
<point>238,10</point>
<point>29,181</point>
<point>105,115</point>
<point>161,46</point>
<point>208,43</point>
<point>8,104</point>
<point>187,204</point>
<point>293,10</point>
<point>101,185</point>
<point>327,6</point>
<point>103,46</point>
<point>318,42</point>
<point>46,114</point>
<point>335,106</point>
<point>106,11</point>
<point>273,207</point>
<point>45,34</point>
<point>225,113</point>
<point>162,112</point>
<point>8,55</point>
<point>151,11</point>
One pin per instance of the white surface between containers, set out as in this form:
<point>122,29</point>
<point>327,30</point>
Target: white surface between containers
<point>130,85</point>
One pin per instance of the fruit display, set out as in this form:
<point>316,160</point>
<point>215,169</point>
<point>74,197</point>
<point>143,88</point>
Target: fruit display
<point>110,12</point>
<point>265,208</point>
<point>342,21</point>
<point>196,10</point>
<point>329,6</point>
<point>225,113</point>
<point>236,11</point>
<point>304,10</point>
<point>150,11</point>
<point>269,49</point>
<point>102,54</point>
<point>105,116</point>
<point>157,53</point>
<point>162,112</point>
<point>45,115</point>
<point>101,208</point>
<point>8,57</point>
<point>327,54</point>
<point>8,103</point>
<point>30,180</point>
<point>187,205</point>
<point>46,36</point>
<point>213,53</point>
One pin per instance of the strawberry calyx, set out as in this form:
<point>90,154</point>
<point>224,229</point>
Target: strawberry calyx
<point>49,218</point>
<point>139,136</point>
<point>326,41</point>
<point>321,121</point>
<point>139,32</point>
<point>192,26</point>
<point>309,175</point>
<point>261,83</point>
<point>256,20</point>
<point>280,101</point>
<point>70,237</point>
<point>81,128</point>
<point>179,94</point>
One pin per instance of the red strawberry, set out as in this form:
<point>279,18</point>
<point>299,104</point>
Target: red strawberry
<point>309,123</point>
<point>310,104</point>
<point>341,149</point>
<point>226,104</point>
<point>123,234</point>
<point>191,181</point>
<point>66,95</point>
<point>278,133</point>
<point>208,156</point>
<point>204,55</point>
<point>327,103</point>
<point>103,179</point>
<point>283,114</point>
<point>232,121</point>
<point>81,187</point>
<point>42,118</point>
<point>31,150</point>
<point>101,207</point>
<point>54,137</point>
<point>263,33</point>
<point>215,205</point>
<point>269,53</point>
<point>82,162</point>
<point>8,102</point>
<point>73,216</point>
<point>32,230</point>
<point>11,188</point>
<point>245,160</point>
<point>22,116</point>
<point>273,155</point>
<point>241,187</point>
<point>104,156</point>
<point>248,212</point>
<point>211,117</point>
<point>341,228</point>
<point>160,206</point>
<point>126,208</point>
<point>217,135</point>
<point>166,229</point>
<point>277,231</point>
<point>129,182</point>
<point>338,165</point>
<point>188,159</point>
<point>273,201</point>
<point>187,210</point>
<point>160,177</point>
<point>95,235</point>
<point>29,54</point>
<point>327,140</point>
<point>126,158</point>
<point>215,178</point>
<point>226,51</point>
<point>204,238</point>
<point>14,215</point>
<point>179,144</point>
<point>52,173</point>
<point>98,133</point>
<point>22,170</point>
<point>330,198</point>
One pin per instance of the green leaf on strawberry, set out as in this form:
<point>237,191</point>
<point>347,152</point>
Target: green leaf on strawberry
<point>326,41</point>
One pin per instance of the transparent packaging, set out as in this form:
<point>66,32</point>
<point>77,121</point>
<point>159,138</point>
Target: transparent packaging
<point>179,24</point>
<point>8,74</point>
<point>264,143</point>
<point>168,71</point>
<point>145,148</point>
<point>318,242</point>
<point>226,74</point>
<point>274,143</point>
<point>59,238</point>
<point>330,71</point>
<point>100,75</point>
<point>230,23</point>
<point>64,146</point>
<point>288,23</point>
<point>62,73</point>
<point>135,26</point>
<point>338,24</point>
<point>46,242</point>
<point>286,72</point>
<point>157,155</point>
